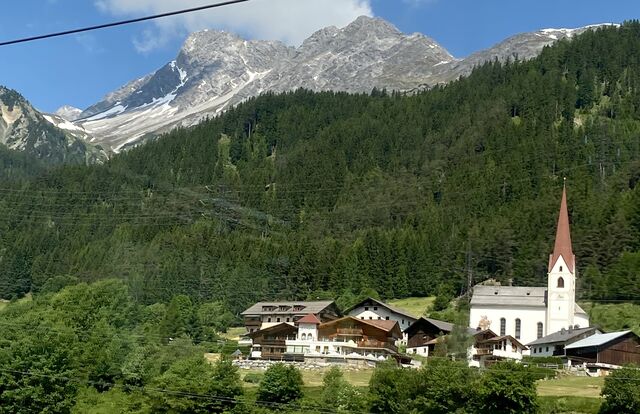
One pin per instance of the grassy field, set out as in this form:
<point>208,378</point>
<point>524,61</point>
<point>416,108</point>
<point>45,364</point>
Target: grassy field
<point>413,306</point>
<point>3,304</point>
<point>313,379</point>
<point>233,334</point>
<point>571,387</point>
<point>580,395</point>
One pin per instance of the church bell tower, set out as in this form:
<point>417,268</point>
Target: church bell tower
<point>561,281</point>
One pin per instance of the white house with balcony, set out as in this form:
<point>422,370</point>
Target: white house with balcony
<point>488,348</point>
<point>346,340</point>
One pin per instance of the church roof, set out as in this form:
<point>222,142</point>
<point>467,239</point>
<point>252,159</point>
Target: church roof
<point>562,246</point>
<point>509,296</point>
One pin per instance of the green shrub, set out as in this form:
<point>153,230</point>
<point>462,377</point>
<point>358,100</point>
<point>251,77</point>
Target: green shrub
<point>281,384</point>
<point>622,391</point>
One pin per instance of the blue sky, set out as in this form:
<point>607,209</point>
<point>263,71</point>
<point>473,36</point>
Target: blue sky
<point>79,70</point>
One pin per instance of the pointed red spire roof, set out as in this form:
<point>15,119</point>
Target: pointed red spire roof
<point>562,246</point>
<point>310,318</point>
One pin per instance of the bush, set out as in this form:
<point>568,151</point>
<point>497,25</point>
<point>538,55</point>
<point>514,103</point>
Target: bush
<point>281,384</point>
<point>622,391</point>
<point>338,395</point>
<point>507,387</point>
<point>389,388</point>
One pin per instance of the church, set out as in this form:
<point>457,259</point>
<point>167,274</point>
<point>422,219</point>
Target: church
<point>529,313</point>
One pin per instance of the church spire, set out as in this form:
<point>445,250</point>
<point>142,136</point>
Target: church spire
<point>562,246</point>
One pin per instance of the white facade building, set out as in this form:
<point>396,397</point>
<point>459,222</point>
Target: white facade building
<point>373,309</point>
<point>530,313</point>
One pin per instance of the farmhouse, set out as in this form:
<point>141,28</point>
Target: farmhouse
<point>265,314</point>
<point>375,310</point>
<point>530,313</point>
<point>344,340</point>
<point>600,353</point>
<point>554,344</point>
<point>423,335</point>
<point>489,348</point>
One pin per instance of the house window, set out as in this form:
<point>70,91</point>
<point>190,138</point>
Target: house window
<point>560,282</point>
<point>547,349</point>
<point>269,320</point>
<point>403,321</point>
<point>370,317</point>
<point>534,350</point>
<point>278,320</point>
<point>366,308</point>
<point>304,336</point>
<point>540,330</point>
<point>503,326</point>
<point>387,318</point>
<point>362,317</point>
<point>287,319</point>
<point>518,324</point>
<point>379,318</point>
<point>375,308</point>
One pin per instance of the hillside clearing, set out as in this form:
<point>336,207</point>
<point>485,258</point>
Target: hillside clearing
<point>413,306</point>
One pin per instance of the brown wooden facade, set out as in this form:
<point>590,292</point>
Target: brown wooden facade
<point>620,351</point>
<point>365,333</point>
<point>272,341</point>
<point>423,332</point>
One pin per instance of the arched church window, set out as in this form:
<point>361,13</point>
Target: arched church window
<point>561,268</point>
<point>503,326</point>
<point>304,337</point>
<point>540,326</point>
<point>518,326</point>
<point>560,282</point>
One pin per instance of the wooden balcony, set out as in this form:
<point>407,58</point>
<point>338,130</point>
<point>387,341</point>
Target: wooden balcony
<point>484,351</point>
<point>374,343</point>
<point>349,331</point>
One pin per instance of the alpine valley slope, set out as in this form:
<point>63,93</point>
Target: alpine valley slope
<point>215,70</point>
<point>50,139</point>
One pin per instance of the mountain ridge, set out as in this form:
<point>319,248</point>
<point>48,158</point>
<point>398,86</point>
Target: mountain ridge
<point>215,70</point>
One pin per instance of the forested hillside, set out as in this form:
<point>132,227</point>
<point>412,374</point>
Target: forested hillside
<point>306,195</point>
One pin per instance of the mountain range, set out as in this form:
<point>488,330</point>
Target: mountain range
<point>216,70</point>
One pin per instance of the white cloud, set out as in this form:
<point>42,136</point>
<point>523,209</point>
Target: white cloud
<point>290,21</point>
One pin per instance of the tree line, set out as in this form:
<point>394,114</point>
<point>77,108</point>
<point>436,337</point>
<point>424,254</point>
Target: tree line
<point>306,195</point>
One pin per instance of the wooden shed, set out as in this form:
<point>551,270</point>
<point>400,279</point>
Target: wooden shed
<point>613,350</point>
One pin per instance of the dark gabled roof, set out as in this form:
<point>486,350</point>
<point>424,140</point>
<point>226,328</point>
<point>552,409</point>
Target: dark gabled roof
<point>314,307</point>
<point>445,327</point>
<point>561,336</point>
<point>385,305</point>
<point>500,338</point>
<point>275,328</point>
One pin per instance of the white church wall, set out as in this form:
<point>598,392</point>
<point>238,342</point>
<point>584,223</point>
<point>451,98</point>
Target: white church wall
<point>529,318</point>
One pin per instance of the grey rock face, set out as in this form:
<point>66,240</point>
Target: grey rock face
<point>22,128</point>
<point>216,70</point>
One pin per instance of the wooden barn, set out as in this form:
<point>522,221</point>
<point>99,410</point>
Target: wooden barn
<point>606,351</point>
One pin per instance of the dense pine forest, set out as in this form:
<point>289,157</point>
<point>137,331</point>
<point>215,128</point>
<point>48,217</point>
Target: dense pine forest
<point>309,195</point>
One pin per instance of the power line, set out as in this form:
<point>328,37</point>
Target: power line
<point>120,23</point>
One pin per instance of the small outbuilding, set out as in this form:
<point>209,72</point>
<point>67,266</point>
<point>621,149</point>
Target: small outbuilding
<point>600,353</point>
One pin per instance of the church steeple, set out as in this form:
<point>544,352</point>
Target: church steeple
<point>562,245</point>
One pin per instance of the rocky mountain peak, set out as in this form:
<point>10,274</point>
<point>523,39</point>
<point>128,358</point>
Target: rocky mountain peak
<point>68,112</point>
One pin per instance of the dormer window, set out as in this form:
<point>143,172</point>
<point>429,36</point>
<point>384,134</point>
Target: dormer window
<point>560,281</point>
